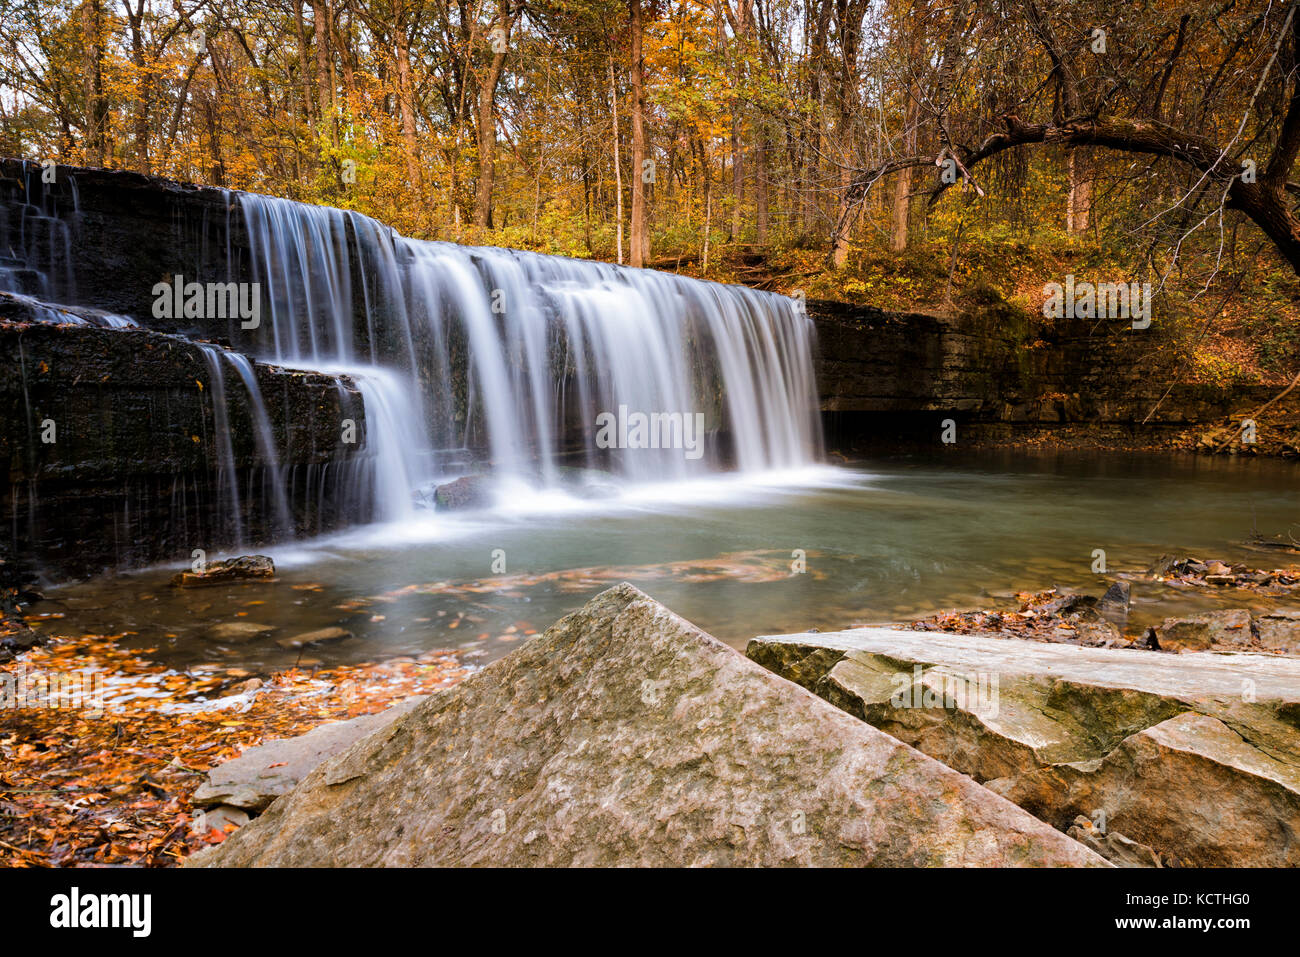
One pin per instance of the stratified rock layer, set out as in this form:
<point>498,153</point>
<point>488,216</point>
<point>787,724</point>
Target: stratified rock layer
<point>1195,755</point>
<point>626,736</point>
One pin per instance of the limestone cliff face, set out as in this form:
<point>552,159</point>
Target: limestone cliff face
<point>994,365</point>
<point>109,444</point>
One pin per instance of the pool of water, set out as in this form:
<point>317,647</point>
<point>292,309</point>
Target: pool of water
<point>881,541</point>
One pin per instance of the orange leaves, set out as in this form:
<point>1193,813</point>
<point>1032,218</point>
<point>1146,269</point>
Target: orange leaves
<point>78,790</point>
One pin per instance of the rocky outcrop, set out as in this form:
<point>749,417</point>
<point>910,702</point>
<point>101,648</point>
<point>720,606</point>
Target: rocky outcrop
<point>626,736</point>
<point>1195,755</point>
<point>112,456</point>
<point>998,370</point>
<point>1279,631</point>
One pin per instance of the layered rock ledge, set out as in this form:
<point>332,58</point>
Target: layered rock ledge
<point>1195,755</point>
<point>624,735</point>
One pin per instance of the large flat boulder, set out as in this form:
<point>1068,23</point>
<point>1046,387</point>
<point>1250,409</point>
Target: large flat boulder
<point>624,735</point>
<point>1195,755</point>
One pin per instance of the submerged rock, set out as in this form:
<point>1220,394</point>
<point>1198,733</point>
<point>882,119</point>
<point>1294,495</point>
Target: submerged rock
<point>320,636</point>
<point>626,736</point>
<point>238,632</point>
<point>245,568</point>
<point>1114,604</point>
<point>1195,755</point>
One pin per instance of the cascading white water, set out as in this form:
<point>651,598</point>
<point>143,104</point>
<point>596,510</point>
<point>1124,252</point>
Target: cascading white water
<point>227,474</point>
<point>525,332</point>
<point>265,439</point>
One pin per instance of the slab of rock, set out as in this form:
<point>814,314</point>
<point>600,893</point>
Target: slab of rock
<point>1279,632</point>
<point>1190,786</point>
<point>320,636</point>
<point>238,632</point>
<point>626,736</point>
<point>1229,628</point>
<point>261,774</point>
<point>246,568</point>
<point>1067,731</point>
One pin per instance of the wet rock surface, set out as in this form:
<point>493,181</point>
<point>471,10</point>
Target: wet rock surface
<point>468,491</point>
<point>245,568</point>
<point>109,424</point>
<point>625,735</point>
<point>238,632</point>
<point>1195,755</point>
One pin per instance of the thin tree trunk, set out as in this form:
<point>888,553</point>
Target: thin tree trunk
<point>618,169</point>
<point>93,79</point>
<point>1078,213</point>
<point>487,124</point>
<point>406,104</point>
<point>325,89</point>
<point>639,236</point>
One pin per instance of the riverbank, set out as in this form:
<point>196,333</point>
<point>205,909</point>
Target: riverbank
<point>104,746</point>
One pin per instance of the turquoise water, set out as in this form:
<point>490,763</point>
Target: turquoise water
<point>884,541</point>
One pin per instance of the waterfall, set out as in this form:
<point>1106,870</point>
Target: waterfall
<point>227,473</point>
<point>266,446</point>
<point>519,354</point>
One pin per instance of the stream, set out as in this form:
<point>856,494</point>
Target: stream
<point>887,540</point>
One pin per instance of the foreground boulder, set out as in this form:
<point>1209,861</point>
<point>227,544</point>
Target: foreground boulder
<point>626,736</point>
<point>1196,756</point>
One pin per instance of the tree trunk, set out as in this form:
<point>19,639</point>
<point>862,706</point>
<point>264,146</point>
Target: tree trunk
<point>406,104</point>
<point>1078,213</point>
<point>304,68</point>
<point>487,123</point>
<point>639,238</point>
<point>618,164</point>
<point>762,163</point>
<point>325,89</point>
<point>96,138</point>
<point>899,215</point>
<point>847,220</point>
<point>140,110</point>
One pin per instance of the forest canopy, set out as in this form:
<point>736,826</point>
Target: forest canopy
<point>737,138</point>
